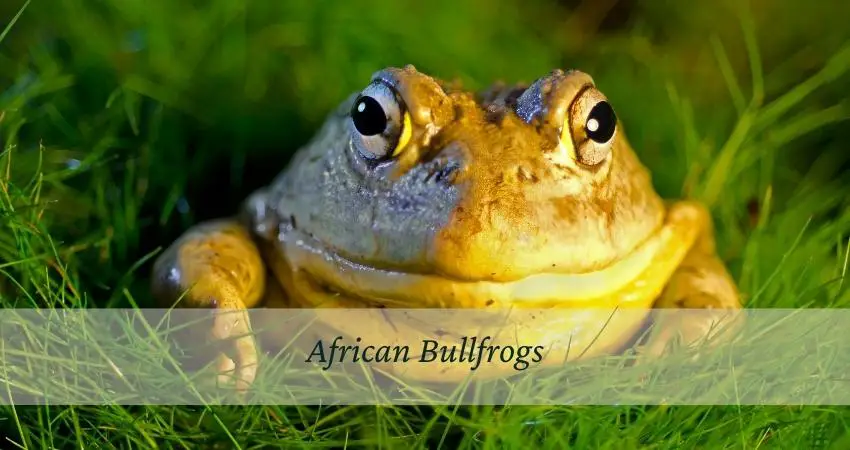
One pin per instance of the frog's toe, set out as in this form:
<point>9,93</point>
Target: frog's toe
<point>225,368</point>
<point>239,363</point>
<point>246,363</point>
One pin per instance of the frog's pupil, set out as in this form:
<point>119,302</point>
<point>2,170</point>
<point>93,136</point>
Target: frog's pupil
<point>601,122</point>
<point>368,116</point>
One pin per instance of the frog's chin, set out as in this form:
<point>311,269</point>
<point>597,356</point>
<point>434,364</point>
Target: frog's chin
<point>317,277</point>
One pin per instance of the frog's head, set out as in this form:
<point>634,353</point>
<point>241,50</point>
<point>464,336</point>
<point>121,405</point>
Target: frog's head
<point>413,184</point>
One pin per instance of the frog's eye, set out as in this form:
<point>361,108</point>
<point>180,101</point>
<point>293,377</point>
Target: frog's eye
<point>592,126</point>
<point>380,121</point>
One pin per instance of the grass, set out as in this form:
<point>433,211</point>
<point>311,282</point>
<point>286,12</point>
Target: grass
<point>127,122</point>
<point>109,356</point>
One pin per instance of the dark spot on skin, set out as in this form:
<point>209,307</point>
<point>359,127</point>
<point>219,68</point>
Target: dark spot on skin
<point>444,173</point>
<point>523,174</point>
<point>328,165</point>
<point>495,114</point>
<point>458,111</point>
<point>568,172</point>
<point>447,175</point>
<point>490,301</point>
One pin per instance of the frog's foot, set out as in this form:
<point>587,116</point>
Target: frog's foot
<point>700,306</point>
<point>217,265</point>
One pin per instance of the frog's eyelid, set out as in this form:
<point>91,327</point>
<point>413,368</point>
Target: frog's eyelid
<point>580,96</point>
<point>567,126</point>
<point>585,94</point>
<point>385,78</point>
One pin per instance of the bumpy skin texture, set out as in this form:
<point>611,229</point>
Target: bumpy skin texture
<point>489,197</point>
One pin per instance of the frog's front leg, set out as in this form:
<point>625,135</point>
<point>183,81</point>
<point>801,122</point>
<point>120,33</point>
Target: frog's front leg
<point>701,282</point>
<point>217,265</point>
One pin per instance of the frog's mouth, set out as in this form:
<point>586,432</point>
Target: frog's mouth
<point>319,278</point>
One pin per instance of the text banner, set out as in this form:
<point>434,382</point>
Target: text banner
<point>425,356</point>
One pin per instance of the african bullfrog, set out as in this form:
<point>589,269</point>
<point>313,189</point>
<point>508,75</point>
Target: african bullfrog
<point>417,194</point>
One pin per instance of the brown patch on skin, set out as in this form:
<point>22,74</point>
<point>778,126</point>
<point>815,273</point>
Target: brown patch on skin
<point>525,175</point>
<point>606,205</point>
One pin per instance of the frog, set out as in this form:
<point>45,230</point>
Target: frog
<point>416,193</point>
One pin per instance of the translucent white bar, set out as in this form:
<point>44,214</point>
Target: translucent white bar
<point>519,357</point>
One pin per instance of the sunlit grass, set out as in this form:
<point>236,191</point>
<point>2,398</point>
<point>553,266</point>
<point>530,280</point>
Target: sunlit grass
<point>129,122</point>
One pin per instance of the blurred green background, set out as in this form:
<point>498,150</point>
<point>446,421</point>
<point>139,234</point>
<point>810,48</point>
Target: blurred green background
<point>125,122</point>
